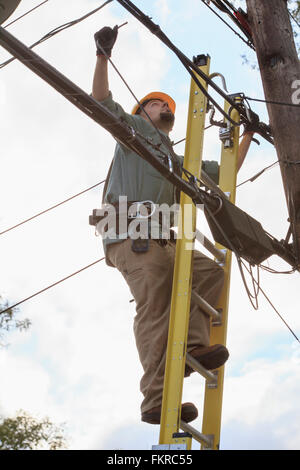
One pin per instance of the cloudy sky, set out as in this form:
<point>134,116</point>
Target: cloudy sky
<point>78,362</point>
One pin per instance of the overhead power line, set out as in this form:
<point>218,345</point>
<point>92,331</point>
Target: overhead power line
<point>294,18</point>
<point>256,284</point>
<point>57,30</point>
<point>272,305</point>
<point>49,287</point>
<point>25,14</point>
<point>193,69</point>
<point>253,178</point>
<point>247,42</point>
<point>51,208</point>
<point>280,103</point>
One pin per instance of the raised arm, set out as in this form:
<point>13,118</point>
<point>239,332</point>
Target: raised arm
<point>100,80</point>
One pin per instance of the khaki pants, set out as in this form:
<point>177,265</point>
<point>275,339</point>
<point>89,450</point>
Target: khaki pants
<point>149,276</point>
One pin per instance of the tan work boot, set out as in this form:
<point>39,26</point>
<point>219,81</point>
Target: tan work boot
<point>188,413</point>
<point>210,357</point>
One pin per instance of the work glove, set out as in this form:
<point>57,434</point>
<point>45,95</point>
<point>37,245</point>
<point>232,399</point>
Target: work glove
<point>105,39</point>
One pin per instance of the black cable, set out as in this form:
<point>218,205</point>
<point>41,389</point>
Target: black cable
<point>280,316</point>
<point>229,5</point>
<point>272,102</point>
<point>25,14</point>
<point>163,140</point>
<point>138,102</point>
<point>275,271</point>
<point>283,161</point>
<point>232,248</point>
<point>49,287</point>
<point>172,155</point>
<point>295,19</point>
<point>187,66</point>
<point>187,63</point>
<point>57,30</point>
<point>193,70</point>
<point>248,43</point>
<point>253,178</point>
<point>241,264</point>
<point>234,16</point>
<point>250,296</point>
<point>50,208</point>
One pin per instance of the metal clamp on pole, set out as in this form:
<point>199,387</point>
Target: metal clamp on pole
<point>226,135</point>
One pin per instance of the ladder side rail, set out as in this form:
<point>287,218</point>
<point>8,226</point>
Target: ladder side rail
<point>183,268</point>
<point>212,411</point>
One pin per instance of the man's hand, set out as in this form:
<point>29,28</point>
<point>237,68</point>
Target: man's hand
<point>105,40</point>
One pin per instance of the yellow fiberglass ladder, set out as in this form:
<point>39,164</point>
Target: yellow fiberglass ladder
<point>176,358</point>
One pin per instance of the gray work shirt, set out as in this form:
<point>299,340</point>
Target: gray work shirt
<point>132,176</point>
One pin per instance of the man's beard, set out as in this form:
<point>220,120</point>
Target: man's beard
<point>167,117</point>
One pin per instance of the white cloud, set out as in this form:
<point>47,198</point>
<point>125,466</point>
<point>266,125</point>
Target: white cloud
<point>265,395</point>
<point>163,9</point>
<point>16,384</point>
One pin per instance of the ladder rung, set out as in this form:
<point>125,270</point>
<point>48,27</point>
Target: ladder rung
<point>207,440</point>
<point>219,254</point>
<point>216,316</point>
<point>207,374</point>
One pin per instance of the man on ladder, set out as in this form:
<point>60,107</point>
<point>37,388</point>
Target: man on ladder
<point>147,265</point>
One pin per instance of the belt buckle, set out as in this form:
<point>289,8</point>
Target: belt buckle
<point>138,214</point>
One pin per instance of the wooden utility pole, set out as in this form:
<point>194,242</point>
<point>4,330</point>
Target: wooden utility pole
<point>280,71</point>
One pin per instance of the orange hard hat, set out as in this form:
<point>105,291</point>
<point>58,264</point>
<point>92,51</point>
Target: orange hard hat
<point>156,95</point>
